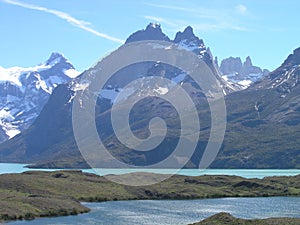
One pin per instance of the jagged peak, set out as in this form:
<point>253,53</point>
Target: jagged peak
<point>293,59</point>
<point>297,51</point>
<point>189,30</point>
<point>187,34</point>
<point>153,25</point>
<point>55,58</point>
<point>55,55</point>
<point>153,31</point>
<point>248,62</point>
<point>216,61</point>
<point>232,60</point>
<point>209,53</point>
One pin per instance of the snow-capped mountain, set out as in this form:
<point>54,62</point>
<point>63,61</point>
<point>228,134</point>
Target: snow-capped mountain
<point>262,127</point>
<point>152,32</point>
<point>242,73</point>
<point>24,92</point>
<point>286,77</point>
<point>187,40</point>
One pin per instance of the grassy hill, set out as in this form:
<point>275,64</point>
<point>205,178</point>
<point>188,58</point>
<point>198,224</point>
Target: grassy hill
<point>40,194</point>
<point>227,219</point>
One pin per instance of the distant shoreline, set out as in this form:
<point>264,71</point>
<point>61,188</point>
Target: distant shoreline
<point>36,194</point>
<point>228,219</point>
<point>247,173</point>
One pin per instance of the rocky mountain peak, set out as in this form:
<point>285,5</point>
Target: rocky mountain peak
<point>189,31</point>
<point>153,26</point>
<point>231,65</point>
<point>24,92</point>
<point>243,73</point>
<point>293,59</point>
<point>248,62</point>
<point>55,58</point>
<point>216,61</point>
<point>286,77</point>
<point>188,36</point>
<point>152,32</point>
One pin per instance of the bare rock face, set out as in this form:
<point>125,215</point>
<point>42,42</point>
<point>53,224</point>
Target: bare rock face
<point>152,32</point>
<point>286,77</point>
<point>189,41</point>
<point>43,139</point>
<point>231,65</point>
<point>248,68</point>
<point>262,127</point>
<point>243,73</point>
<point>24,92</point>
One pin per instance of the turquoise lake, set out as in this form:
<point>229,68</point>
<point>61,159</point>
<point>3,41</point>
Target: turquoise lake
<point>248,173</point>
<point>165,212</point>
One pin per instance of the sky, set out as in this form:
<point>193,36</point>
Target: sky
<point>84,31</point>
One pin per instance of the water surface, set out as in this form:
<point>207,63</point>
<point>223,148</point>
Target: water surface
<point>247,173</point>
<point>164,212</point>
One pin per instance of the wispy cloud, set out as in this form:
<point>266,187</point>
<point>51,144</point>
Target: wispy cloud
<point>162,20</point>
<point>175,25</point>
<point>218,26</point>
<point>211,19</point>
<point>200,11</point>
<point>241,9</point>
<point>65,16</point>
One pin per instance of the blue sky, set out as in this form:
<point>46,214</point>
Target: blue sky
<point>86,30</point>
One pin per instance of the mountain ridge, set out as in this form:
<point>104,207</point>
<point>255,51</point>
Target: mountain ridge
<point>243,73</point>
<point>24,92</point>
<point>255,136</point>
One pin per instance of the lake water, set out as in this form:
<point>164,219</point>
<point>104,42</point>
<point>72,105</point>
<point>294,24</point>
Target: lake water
<point>248,173</point>
<point>156,212</point>
<point>174,212</point>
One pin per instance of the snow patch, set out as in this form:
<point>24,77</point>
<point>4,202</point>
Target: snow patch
<point>4,114</point>
<point>72,73</point>
<point>26,90</point>
<point>54,61</point>
<point>11,98</point>
<point>41,84</point>
<point>190,46</point>
<point>13,74</point>
<point>245,83</point>
<point>80,86</point>
<point>55,80</point>
<point>161,90</point>
<point>155,25</point>
<point>12,132</point>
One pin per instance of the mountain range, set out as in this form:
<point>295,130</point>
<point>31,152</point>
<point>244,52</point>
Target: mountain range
<point>245,74</point>
<point>262,120</point>
<point>25,91</point>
